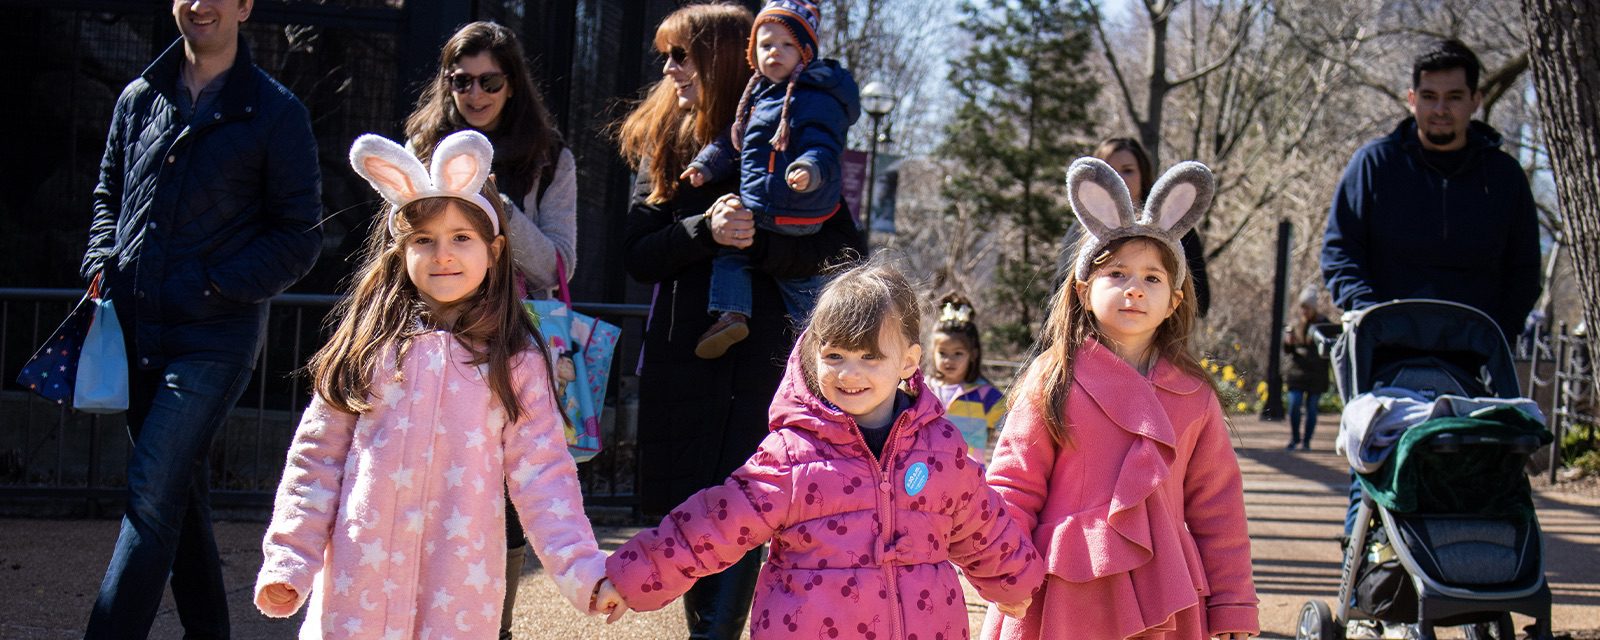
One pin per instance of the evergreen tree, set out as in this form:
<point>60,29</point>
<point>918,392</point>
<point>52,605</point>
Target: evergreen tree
<point>1024,93</point>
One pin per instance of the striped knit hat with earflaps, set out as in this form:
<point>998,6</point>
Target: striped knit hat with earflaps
<point>800,18</point>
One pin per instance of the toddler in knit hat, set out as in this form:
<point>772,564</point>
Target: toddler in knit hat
<point>784,150</point>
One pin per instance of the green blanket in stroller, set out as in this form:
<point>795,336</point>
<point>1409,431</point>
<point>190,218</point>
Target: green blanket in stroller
<point>1476,477</point>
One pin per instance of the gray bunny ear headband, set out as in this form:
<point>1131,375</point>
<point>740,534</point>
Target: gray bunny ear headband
<point>459,168</point>
<point>1101,202</point>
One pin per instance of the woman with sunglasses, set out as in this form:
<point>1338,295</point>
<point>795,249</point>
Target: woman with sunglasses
<point>701,419</point>
<point>483,83</point>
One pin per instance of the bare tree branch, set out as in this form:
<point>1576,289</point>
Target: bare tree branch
<point>1116,68</point>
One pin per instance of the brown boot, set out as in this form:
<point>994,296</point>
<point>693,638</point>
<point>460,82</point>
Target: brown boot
<point>727,331</point>
<point>515,557</point>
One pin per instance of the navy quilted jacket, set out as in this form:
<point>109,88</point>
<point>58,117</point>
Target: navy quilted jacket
<point>824,105</point>
<point>196,225</point>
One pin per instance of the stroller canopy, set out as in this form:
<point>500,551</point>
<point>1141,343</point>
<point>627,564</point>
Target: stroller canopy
<point>1386,342</point>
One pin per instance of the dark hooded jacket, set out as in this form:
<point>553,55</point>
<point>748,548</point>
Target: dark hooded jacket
<point>1401,228</point>
<point>824,104</point>
<point>198,223</point>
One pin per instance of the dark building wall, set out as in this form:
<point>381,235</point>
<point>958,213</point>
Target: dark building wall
<point>358,65</point>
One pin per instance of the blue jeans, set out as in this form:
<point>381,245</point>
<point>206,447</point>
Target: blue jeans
<point>730,288</point>
<point>173,415</point>
<point>1355,504</point>
<point>1306,401</point>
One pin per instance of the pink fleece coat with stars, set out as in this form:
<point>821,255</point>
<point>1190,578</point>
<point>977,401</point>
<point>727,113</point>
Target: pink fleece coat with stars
<point>1140,514</point>
<point>392,522</point>
<point>861,547</point>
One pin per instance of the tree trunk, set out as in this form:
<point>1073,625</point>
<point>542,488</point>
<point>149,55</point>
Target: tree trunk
<point>1564,42</point>
<point>1156,87</point>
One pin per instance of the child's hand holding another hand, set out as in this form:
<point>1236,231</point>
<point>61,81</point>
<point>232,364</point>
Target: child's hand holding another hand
<point>607,600</point>
<point>1015,609</point>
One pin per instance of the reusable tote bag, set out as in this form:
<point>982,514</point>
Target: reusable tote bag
<point>580,348</point>
<point>54,367</point>
<point>102,382</point>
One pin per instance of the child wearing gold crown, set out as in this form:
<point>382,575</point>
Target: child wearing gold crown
<point>971,402</point>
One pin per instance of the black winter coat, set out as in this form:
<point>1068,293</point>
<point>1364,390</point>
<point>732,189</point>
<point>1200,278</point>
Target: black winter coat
<point>1305,370</point>
<point>196,227</point>
<point>700,419</point>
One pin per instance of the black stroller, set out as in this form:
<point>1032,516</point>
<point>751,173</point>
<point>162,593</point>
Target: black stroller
<point>1428,568</point>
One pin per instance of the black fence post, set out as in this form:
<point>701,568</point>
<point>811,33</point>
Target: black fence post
<point>1272,408</point>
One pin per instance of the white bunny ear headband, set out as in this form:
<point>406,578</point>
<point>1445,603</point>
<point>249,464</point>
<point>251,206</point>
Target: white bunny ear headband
<point>1100,200</point>
<point>460,167</point>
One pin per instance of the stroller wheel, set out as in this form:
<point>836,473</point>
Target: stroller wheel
<point>1316,623</point>
<point>1500,629</point>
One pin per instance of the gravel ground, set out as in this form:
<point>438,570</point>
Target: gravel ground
<point>50,569</point>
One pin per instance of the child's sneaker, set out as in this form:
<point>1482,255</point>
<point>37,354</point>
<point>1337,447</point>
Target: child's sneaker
<point>727,331</point>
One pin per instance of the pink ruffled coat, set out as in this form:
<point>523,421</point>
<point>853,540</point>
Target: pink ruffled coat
<point>860,548</point>
<point>1140,515</point>
<point>393,521</point>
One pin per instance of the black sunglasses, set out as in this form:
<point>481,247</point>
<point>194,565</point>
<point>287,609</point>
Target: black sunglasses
<point>492,82</point>
<point>678,55</point>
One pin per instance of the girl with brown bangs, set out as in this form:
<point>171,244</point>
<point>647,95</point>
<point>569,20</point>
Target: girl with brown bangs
<point>1116,454</point>
<point>433,404</point>
<point>706,416</point>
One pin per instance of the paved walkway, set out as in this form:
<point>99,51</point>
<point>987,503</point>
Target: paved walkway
<point>49,570</point>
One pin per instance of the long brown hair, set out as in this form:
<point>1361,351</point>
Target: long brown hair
<point>852,309</point>
<point>1140,158</point>
<point>1048,376</point>
<point>526,142</point>
<point>383,310</point>
<point>664,137</point>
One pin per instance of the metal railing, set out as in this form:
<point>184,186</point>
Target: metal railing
<point>1571,385</point>
<point>55,461</point>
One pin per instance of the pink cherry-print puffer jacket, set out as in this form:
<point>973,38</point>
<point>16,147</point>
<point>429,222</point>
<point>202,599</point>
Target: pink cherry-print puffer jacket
<point>861,547</point>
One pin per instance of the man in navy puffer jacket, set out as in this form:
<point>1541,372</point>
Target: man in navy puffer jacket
<point>1435,209</point>
<point>207,206</point>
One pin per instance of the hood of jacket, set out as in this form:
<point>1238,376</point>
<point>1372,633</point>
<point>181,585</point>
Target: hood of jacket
<point>1480,136</point>
<point>830,77</point>
<point>796,406</point>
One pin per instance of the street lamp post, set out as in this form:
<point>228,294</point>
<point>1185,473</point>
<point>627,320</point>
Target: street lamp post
<point>877,101</point>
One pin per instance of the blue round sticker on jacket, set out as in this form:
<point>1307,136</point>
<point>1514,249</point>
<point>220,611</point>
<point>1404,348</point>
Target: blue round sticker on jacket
<point>916,478</point>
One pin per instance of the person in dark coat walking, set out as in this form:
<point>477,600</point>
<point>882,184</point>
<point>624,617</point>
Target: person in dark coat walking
<point>700,419</point>
<point>1435,209</point>
<point>207,207</point>
<point>1307,372</point>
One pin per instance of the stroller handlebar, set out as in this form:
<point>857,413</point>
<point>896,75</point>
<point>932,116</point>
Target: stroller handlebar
<point>1452,442</point>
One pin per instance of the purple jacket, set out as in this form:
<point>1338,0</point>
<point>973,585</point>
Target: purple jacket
<point>859,545</point>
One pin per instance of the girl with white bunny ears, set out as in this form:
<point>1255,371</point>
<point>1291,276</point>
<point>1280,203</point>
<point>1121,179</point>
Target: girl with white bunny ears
<point>433,396</point>
<point>1115,453</point>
